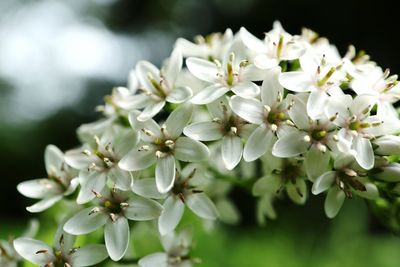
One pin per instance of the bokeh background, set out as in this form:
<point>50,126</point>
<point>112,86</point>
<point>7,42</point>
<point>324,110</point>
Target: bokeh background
<point>59,58</point>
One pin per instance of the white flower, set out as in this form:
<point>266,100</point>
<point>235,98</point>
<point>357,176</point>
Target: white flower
<point>277,45</point>
<point>210,47</point>
<point>384,88</point>
<point>321,79</point>
<point>159,86</point>
<point>61,181</point>
<point>234,74</point>
<point>177,248</point>
<point>358,65</point>
<point>225,126</point>
<point>99,163</point>
<point>163,146</point>
<point>113,209</point>
<point>358,126</point>
<point>62,253</point>
<point>310,137</point>
<point>270,114</point>
<point>342,182</point>
<point>185,193</point>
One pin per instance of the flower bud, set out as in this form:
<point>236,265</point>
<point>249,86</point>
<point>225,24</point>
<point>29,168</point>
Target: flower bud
<point>387,145</point>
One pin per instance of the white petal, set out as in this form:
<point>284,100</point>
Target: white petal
<point>202,206</point>
<point>165,173</point>
<point>390,173</point>
<point>85,222</point>
<point>173,66</point>
<point>365,154</point>
<point>44,204</point>
<point>316,162</point>
<point>76,159</point>
<point>121,179</point>
<point>268,184</point>
<point>252,42</point>
<point>149,125</point>
<point>246,89</point>
<point>190,150</point>
<point>251,110</point>
<point>90,181</point>
<point>151,110</point>
<point>316,104</point>
<point>265,62</point>
<point>143,68</point>
<point>124,142</point>
<point>371,192</point>
<point>296,81</point>
<point>228,213</point>
<point>89,255</point>
<point>27,248</point>
<point>137,160</point>
<point>38,188</point>
<point>202,69</point>
<point>179,95</point>
<point>271,89</point>
<point>258,143</point>
<point>339,105</point>
<point>231,150</point>
<point>209,94</point>
<point>116,236</point>
<point>204,131</point>
<point>177,120</point>
<point>334,201</point>
<point>142,209</point>
<point>323,182</point>
<point>297,192</point>
<point>53,159</point>
<point>298,112</point>
<point>219,107</point>
<point>158,259</point>
<point>290,145</point>
<point>138,101</point>
<point>147,188</point>
<point>171,215</point>
<point>362,104</point>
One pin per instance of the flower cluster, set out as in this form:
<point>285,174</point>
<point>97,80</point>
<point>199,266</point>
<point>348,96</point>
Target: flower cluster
<point>183,135</point>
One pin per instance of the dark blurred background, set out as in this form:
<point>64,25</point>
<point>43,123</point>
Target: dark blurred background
<point>59,58</point>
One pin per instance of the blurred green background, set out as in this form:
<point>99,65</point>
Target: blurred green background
<point>59,58</point>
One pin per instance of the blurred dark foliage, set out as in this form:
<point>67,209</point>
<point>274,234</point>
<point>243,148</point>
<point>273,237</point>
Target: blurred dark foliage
<point>369,25</point>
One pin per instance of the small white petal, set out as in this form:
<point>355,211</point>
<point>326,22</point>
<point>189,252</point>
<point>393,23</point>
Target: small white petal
<point>165,173</point>
<point>85,222</point>
<point>231,150</point>
<point>27,248</point>
<point>89,255</point>
<point>179,95</point>
<point>323,182</point>
<point>177,120</point>
<point>90,181</point>
<point>258,143</point>
<point>158,259</point>
<point>143,68</point>
<point>190,150</point>
<point>334,201</point>
<point>76,159</point>
<point>316,162</point>
<point>252,42</point>
<point>246,89</point>
<point>365,153</point>
<point>38,188</point>
<point>290,145</point>
<point>142,209</point>
<point>116,236</point>
<point>171,215</point>
<point>204,131</point>
<point>362,104</point>
<point>265,62</point>
<point>121,179</point>
<point>137,160</point>
<point>271,88</point>
<point>147,188</point>
<point>53,159</point>
<point>249,109</point>
<point>151,110</point>
<point>268,184</point>
<point>173,66</point>
<point>202,69</point>
<point>202,206</point>
<point>316,104</point>
<point>298,112</point>
<point>44,204</point>
<point>209,94</point>
<point>296,81</point>
<point>297,192</point>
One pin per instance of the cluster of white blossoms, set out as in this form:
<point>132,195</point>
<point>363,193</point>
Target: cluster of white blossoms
<point>182,136</point>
